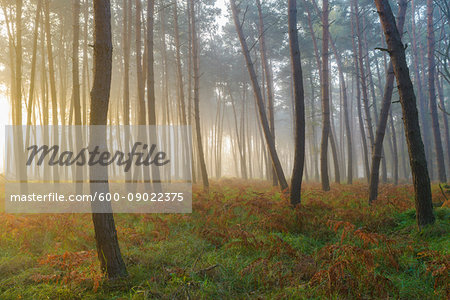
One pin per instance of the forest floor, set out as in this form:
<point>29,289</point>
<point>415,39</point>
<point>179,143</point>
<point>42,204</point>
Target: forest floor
<point>241,241</point>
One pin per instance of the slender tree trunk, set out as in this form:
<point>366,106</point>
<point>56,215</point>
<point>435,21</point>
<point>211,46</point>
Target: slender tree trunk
<point>139,74</point>
<point>346,115</point>
<point>395,148</point>
<point>179,72</point>
<point>445,118</point>
<point>17,108</point>
<point>299,105</point>
<point>269,80</point>
<point>33,70</point>
<point>421,181</point>
<point>333,143</point>
<point>362,73</point>
<point>51,71</point>
<point>18,71</point>
<point>257,90</point>
<point>359,108</point>
<point>75,62</point>
<point>86,71</point>
<point>196,63</point>
<point>325,101</point>
<point>76,89</point>
<point>108,249</point>
<point>432,94</point>
<point>51,66</point>
<point>384,114</point>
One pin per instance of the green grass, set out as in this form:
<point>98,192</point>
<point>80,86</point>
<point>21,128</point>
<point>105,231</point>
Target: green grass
<point>241,241</point>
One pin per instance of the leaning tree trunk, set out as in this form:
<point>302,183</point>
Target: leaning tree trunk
<point>432,94</point>
<point>108,249</point>
<point>325,101</point>
<point>384,115</point>
<point>299,105</point>
<point>417,160</point>
<point>257,90</point>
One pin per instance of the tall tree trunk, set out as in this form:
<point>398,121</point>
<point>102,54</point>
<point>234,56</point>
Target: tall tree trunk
<point>362,73</point>
<point>196,64</point>
<point>108,249</point>
<point>33,69</point>
<point>445,118</point>
<point>86,71</point>
<point>395,148</point>
<point>51,65</point>
<point>268,76</point>
<point>179,71</point>
<point>358,99</point>
<point>76,89</point>
<point>332,135</point>
<point>384,114</point>
<point>432,94</point>
<point>51,71</point>
<point>126,40</point>
<point>18,133</point>
<point>346,114</point>
<point>238,138</point>
<point>421,181</point>
<point>140,79</point>
<point>75,62</point>
<point>150,78</point>
<point>257,91</point>
<point>299,105</point>
<point>325,101</point>
<point>18,65</point>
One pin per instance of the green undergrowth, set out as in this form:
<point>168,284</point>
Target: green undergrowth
<point>242,240</point>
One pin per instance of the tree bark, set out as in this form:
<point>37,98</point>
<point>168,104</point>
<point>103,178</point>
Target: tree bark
<point>421,181</point>
<point>384,114</point>
<point>299,105</point>
<point>325,101</point>
<point>108,249</point>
